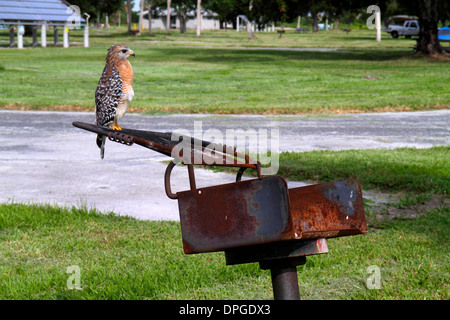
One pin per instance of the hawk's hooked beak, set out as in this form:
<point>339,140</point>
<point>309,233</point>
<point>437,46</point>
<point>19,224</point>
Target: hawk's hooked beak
<point>132,53</point>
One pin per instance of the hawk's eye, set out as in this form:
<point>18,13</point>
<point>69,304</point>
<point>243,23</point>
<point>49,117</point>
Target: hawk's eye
<point>124,50</point>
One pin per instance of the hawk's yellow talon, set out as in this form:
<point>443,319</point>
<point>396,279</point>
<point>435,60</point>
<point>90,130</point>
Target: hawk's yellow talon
<point>116,127</point>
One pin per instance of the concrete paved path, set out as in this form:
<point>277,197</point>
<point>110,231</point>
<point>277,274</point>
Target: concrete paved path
<point>43,158</point>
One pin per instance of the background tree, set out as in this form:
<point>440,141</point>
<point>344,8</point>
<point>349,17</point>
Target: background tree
<point>227,10</point>
<point>141,14</point>
<point>169,4</point>
<point>182,8</point>
<point>337,8</point>
<point>316,7</point>
<point>128,10</point>
<point>444,12</point>
<point>199,17</point>
<point>429,13</point>
<point>267,11</point>
<point>96,8</point>
<point>428,20</point>
<point>150,8</point>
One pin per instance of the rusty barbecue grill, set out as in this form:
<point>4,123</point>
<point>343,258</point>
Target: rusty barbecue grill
<point>256,220</point>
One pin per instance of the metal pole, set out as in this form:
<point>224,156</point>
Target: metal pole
<point>55,36</point>
<point>284,277</point>
<point>378,24</point>
<point>20,36</point>
<point>191,176</point>
<point>285,283</point>
<point>86,30</point>
<point>86,36</point>
<point>34,34</point>
<point>44,35</point>
<point>11,35</point>
<point>65,36</point>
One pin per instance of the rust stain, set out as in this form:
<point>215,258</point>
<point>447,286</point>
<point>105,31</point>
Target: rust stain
<point>232,215</point>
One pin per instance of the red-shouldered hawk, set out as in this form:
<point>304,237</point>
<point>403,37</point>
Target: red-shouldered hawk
<point>114,90</point>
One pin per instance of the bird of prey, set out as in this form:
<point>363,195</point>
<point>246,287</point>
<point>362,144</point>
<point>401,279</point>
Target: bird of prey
<point>114,91</point>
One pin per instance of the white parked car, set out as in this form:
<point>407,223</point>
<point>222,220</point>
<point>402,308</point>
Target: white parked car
<point>410,28</point>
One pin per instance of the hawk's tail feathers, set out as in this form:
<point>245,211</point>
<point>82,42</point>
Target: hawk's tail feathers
<point>101,139</point>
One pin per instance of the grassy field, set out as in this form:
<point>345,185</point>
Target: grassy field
<point>123,258</point>
<point>404,169</point>
<point>221,73</point>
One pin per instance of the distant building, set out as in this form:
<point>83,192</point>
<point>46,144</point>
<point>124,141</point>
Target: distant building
<point>209,21</point>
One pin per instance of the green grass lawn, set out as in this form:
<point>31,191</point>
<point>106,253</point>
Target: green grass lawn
<point>183,73</point>
<point>403,169</point>
<point>123,258</point>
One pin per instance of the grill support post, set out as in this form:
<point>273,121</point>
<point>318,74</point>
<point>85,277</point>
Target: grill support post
<point>284,277</point>
<point>285,283</point>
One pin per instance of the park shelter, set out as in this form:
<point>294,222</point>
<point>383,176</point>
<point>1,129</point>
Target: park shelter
<point>16,14</point>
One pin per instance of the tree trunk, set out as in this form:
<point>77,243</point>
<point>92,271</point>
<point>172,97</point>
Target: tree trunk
<point>150,5</point>
<point>141,16</point>
<point>199,17</point>
<point>129,16</point>
<point>182,15</point>
<point>336,23</point>
<point>315,22</point>
<point>169,3</point>
<point>428,42</point>
<point>250,31</point>
<point>115,18</point>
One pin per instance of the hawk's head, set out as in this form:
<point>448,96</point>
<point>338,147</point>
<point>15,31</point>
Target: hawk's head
<point>119,52</point>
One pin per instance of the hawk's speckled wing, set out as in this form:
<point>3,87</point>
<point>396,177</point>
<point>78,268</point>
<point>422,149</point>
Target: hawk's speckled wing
<point>107,95</point>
